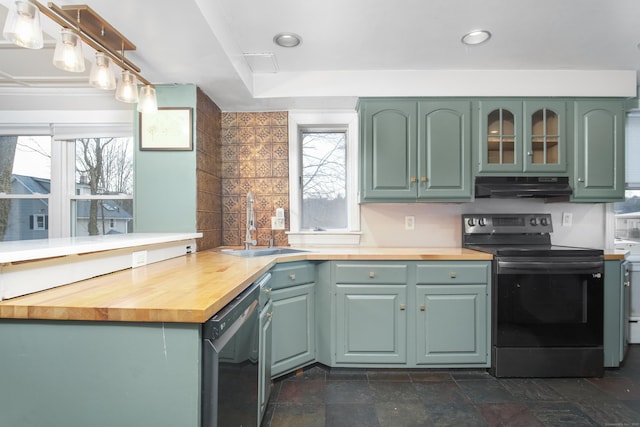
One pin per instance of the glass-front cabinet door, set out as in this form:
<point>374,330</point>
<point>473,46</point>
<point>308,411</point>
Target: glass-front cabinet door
<point>500,145</point>
<point>522,136</point>
<point>545,136</point>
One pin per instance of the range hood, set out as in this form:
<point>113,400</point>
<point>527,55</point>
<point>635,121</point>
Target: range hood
<point>522,186</point>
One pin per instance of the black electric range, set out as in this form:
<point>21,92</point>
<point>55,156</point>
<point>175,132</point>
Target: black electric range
<point>547,300</point>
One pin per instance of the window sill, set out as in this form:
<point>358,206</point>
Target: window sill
<point>331,238</point>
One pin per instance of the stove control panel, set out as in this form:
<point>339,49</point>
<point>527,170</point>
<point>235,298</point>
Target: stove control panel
<point>507,223</point>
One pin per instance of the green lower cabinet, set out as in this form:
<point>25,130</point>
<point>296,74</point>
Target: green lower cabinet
<point>616,311</point>
<point>371,324</point>
<point>264,358</point>
<point>451,324</point>
<point>293,328</point>
<point>76,373</point>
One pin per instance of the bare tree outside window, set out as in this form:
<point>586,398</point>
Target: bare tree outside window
<point>324,205</point>
<point>7,153</point>
<point>104,166</point>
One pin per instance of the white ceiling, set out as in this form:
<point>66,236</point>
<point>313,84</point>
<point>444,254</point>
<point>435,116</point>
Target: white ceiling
<point>352,48</point>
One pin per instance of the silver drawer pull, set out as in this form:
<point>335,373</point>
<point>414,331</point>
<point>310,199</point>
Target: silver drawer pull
<point>403,307</point>
<point>453,275</point>
<point>372,274</point>
<point>292,276</point>
<point>269,315</point>
<point>423,307</point>
<point>267,291</point>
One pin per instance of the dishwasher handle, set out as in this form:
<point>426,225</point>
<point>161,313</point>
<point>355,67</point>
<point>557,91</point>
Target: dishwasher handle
<point>238,309</point>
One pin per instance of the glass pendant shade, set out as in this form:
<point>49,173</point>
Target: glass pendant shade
<point>127,90</point>
<point>148,102</point>
<point>22,26</point>
<point>102,75</point>
<point>68,53</point>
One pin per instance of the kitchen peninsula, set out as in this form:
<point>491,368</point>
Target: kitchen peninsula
<point>125,348</point>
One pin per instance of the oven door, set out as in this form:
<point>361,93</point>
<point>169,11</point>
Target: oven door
<point>549,302</point>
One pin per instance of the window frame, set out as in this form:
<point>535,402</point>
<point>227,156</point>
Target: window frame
<point>63,167</point>
<point>346,121</point>
<point>632,177</point>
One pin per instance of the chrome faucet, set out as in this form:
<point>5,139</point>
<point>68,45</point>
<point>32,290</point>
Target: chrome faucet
<point>251,222</point>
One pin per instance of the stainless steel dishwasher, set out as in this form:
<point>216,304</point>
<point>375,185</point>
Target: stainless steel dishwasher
<point>231,362</point>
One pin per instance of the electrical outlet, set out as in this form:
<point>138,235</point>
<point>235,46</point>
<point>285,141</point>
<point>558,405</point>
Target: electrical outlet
<point>138,259</point>
<point>409,222</point>
<point>567,219</point>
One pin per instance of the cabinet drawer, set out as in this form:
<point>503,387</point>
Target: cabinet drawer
<point>371,273</point>
<point>291,274</point>
<point>452,273</point>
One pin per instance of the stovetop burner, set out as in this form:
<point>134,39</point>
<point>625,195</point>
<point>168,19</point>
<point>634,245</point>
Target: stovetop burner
<point>515,235</point>
<point>535,250</point>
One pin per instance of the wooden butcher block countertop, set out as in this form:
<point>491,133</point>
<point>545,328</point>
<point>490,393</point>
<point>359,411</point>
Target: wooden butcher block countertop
<point>190,288</point>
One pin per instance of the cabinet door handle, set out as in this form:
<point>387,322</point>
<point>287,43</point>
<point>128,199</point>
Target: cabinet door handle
<point>423,307</point>
<point>267,291</point>
<point>372,275</point>
<point>627,283</point>
<point>413,179</point>
<point>423,179</point>
<point>580,179</point>
<point>403,307</point>
<point>292,276</point>
<point>453,275</point>
<point>269,315</point>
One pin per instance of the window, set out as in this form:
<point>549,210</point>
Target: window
<point>103,193</point>
<point>64,186</point>
<point>39,222</point>
<point>25,187</point>
<point>627,214</point>
<point>323,178</point>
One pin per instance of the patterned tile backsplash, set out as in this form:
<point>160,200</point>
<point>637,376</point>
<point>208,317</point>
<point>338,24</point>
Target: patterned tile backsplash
<point>254,158</point>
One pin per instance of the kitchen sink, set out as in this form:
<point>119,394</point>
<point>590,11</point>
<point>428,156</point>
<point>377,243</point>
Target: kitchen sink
<point>252,253</point>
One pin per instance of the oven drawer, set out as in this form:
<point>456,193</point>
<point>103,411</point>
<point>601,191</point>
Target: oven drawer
<point>365,273</point>
<point>452,273</point>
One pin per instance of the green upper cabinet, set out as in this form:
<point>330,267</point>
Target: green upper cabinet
<point>598,174</point>
<point>522,136</point>
<point>444,150</point>
<point>415,150</point>
<point>388,132</point>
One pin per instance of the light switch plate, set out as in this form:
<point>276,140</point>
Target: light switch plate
<point>567,219</point>
<point>277,223</point>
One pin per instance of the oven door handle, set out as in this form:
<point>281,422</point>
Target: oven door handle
<point>544,266</point>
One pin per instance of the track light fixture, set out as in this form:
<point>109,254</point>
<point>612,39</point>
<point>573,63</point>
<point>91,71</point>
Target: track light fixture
<point>80,24</point>
<point>22,26</point>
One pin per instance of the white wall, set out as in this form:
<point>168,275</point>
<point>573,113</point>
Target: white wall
<point>439,224</point>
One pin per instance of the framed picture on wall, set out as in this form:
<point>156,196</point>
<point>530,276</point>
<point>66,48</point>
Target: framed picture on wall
<point>167,129</point>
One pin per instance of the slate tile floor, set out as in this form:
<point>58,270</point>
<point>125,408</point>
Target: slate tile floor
<point>320,396</point>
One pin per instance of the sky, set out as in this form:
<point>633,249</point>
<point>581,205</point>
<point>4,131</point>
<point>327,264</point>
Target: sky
<point>29,162</point>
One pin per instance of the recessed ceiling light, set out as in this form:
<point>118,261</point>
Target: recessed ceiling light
<point>287,39</point>
<point>476,37</point>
